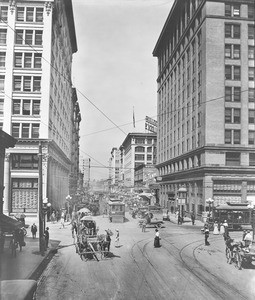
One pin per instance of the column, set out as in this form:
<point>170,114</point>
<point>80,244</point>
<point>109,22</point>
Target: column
<point>6,198</point>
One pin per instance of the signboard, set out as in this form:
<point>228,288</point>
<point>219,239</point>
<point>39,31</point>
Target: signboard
<point>151,124</point>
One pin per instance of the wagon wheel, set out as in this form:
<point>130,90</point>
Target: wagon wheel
<point>229,256</point>
<point>238,260</point>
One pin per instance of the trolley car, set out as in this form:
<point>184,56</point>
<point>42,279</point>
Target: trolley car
<point>237,215</point>
<point>116,211</point>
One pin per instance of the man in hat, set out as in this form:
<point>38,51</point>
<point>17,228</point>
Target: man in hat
<point>47,237</point>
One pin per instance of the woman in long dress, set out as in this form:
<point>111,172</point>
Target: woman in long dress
<point>216,228</point>
<point>156,239</point>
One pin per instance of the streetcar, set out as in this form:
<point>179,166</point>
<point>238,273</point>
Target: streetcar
<point>116,211</point>
<point>237,215</point>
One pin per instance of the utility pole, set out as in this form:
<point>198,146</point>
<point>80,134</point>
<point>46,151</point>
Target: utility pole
<point>40,199</point>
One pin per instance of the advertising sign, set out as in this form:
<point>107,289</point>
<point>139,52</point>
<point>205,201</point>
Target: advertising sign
<point>151,124</point>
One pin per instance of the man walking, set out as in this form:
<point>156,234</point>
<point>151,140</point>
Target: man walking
<point>33,230</point>
<point>193,218</point>
<point>144,225</point>
<point>207,236</point>
<point>47,237</point>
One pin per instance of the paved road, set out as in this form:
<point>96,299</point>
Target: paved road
<point>183,268</point>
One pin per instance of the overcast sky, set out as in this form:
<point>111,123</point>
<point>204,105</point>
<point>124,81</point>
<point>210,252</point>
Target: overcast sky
<point>114,71</point>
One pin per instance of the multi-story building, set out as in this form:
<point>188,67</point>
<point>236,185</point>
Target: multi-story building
<point>114,169</point>
<point>206,112</point>
<point>37,102</point>
<point>136,149</point>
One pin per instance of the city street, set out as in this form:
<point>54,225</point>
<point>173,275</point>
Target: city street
<point>183,268</point>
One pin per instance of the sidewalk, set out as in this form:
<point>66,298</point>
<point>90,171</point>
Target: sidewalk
<point>26,262</point>
<point>187,221</point>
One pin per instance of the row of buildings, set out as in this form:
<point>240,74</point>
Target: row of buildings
<point>205,106</point>
<point>38,103</point>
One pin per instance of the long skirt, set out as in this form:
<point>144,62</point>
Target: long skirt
<point>156,242</point>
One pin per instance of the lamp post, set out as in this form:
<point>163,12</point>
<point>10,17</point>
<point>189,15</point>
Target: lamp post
<point>46,206</point>
<point>210,201</point>
<point>68,199</point>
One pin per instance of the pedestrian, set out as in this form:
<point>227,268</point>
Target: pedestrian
<point>248,239</point>
<point>244,234</point>
<point>179,219</point>
<point>47,237</point>
<point>62,220</point>
<point>193,218</point>
<point>74,229</point>
<point>108,240</point>
<point>156,239</point>
<point>226,233</point>
<point>117,240</point>
<point>34,230</point>
<point>53,217</point>
<point>215,228</point>
<point>144,225</point>
<point>207,233</point>
<point>19,237</point>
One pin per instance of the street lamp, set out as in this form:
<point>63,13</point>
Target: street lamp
<point>46,206</point>
<point>210,201</point>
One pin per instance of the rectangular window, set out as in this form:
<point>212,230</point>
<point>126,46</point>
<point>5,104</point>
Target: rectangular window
<point>237,73</point>
<point>228,51</point>
<point>251,73</point>
<point>251,52</point>
<point>36,107</point>
<point>27,84</point>
<point>232,159</point>
<point>3,34</point>
<point>29,14</point>
<point>19,36</point>
<point>251,140</point>
<point>4,13</point>
<point>237,94</point>
<point>2,59</point>
<point>237,137</point>
<point>15,130</point>
<point>25,130</point>
<point>236,31</point>
<point>228,72</point>
<point>252,159</point>
<point>228,115</point>
<point>2,80</point>
<point>28,60</point>
<point>26,107</point>
<point>251,11</point>
<point>17,83</point>
<point>37,60</point>
<point>20,16</point>
<point>35,131</point>
<point>38,37</point>
<point>228,93</point>
<point>236,51</point>
<point>237,116</point>
<point>251,94</point>
<point>39,14</point>
<point>251,116</point>
<point>29,37</point>
<point>251,32</point>
<point>25,161</point>
<point>16,107</point>
<point>18,60</point>
<point>1,107</point>
<point>37,84</point>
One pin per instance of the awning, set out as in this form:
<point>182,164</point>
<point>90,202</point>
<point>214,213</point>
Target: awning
<point>9,224</point>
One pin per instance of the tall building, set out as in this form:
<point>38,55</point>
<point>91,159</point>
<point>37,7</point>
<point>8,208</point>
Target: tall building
<point>206,112</point>
<point>37,102</point>
<point>114,169</point>
<point>137,149</point>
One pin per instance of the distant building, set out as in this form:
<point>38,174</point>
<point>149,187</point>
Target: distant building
<point>137,149</point>
<point>206,112</point>
<point>114,169</point>
<point>37,101</point>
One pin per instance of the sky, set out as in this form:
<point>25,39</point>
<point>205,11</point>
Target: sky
<point>115,72</point>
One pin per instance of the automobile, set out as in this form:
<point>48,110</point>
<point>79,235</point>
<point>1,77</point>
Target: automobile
<point>154,222</point>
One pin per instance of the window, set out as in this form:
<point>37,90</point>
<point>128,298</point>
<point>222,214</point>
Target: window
<point>25,130</point>
<point>228,72</point>
<point>2,80</point>
<point>36,107</point>
<point>237,137</point>
<point>1,107</point>
<point>17,83</point>
<point>4,13</point>
<point>37,84</point>
<point>236,51</point>
<point>228,113</point>
<point>26,107</point>
<point>29,37</point>
<point>3,34</point>
<point>20,14</point>
<point>251,116</point>
<point>232,72</point>
<point>251,32</point>
<point>19,36</point>
<point>27,60</point>
<point>149,149</point>
<point>35,131</point>
<point>149,157</point>
<point>24,161</point>
<point>139,149</point>
<point>251,73</point>
<point>232,136</point>
<point>2,59</point>
<point>237,94</point>
<point>18,60</point>
<point>38,37</point>
<point>15,130</point>
<point>251,137</point>
<point>232,10</point>
<point>199,82</point>
<point>228,51</point>
<point>39,14</point>
<point>237,116</point>
<point>251,11</point>
<point>228,138</point>
<point>237,73</point>
<point>251,94</point>
<point>27,84</point>
<point>232,94</point>
<point>251,52</point>
<point>232,31</point>
<point>232,159</point>
<point>16,107</point>
<point>251,159</point>
<point>139,156</point>
<point>37,60</point>
<point>29,14</point>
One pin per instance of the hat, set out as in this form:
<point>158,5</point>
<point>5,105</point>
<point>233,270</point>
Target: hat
<point>225,221</point>
<point>47,228</point>
<point>117,229</point>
